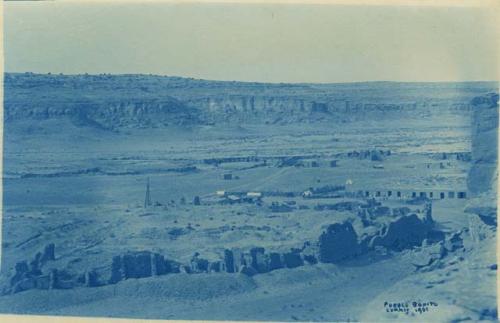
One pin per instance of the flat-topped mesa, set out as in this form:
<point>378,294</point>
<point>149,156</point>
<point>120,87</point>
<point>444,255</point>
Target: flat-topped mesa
<point>147,101</point>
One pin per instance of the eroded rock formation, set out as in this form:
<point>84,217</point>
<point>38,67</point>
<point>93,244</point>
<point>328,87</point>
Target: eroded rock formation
<point>483,175</point>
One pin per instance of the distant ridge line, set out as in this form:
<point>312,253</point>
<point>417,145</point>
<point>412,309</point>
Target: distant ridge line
<point>245,82</point>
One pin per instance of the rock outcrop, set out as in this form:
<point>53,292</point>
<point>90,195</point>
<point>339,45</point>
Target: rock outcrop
<point>483,175</point>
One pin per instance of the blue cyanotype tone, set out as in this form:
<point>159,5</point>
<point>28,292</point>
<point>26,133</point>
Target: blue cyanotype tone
<point>165,197</point>
<point>267,162</point>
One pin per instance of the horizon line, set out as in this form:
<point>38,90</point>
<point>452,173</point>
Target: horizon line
<point>240,81</point>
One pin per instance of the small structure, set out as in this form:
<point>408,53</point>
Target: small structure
<point>196,200</point>
<point>220,193</point>
<point>254,194</point>
<point>307,194</point>
<point>333,163</point>
<point>228,177</point>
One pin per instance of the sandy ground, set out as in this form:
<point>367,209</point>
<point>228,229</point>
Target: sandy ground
<point>93,216</point>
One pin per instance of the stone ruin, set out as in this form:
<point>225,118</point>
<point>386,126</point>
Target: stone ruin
<point>431,254</point>
<point>336,244</point>
<point>31,275</point>
<point>141,264</point>
<point>257,261</point>
<point>405,232</point>
<point>374,155</point>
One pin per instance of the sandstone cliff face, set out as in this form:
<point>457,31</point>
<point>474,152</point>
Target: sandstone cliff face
<point>108,114</point>
<point>305,109</point>
<point>135,101</point>
<point>91,102</point>
<point>483,175</point>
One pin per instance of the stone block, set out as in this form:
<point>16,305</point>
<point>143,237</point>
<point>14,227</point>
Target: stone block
<point>48,253</point>
<point>137,265</point>
<point>35,265</point>
<point>117,270</point>
<point>292,259</point>
<point>92,279</point>
<point>229,261</point>
<point>275,261</point>
<point>259,260</point>
<point>160,265</point>
<point>215,267</point>
<point>199,265</point>
<point>338,242</point>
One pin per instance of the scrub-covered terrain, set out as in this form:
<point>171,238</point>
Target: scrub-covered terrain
<point>164,197</point>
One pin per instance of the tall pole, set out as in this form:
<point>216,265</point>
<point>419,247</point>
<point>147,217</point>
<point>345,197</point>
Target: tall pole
<point>147,200</point>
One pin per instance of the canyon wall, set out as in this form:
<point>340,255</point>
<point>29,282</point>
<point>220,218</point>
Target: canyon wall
<point>482,179</point>
<point>135,101</point>
<point>483,173</point>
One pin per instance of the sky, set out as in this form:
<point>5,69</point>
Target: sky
<point>250,42</point>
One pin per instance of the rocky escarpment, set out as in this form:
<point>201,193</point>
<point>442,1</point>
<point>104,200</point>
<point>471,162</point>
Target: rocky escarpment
<point>103,110</point>
<point>135,101</point>
<point>286,109</point>
<point>483,175</point>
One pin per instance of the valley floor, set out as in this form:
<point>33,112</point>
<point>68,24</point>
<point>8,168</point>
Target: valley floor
<point>90,204</point>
